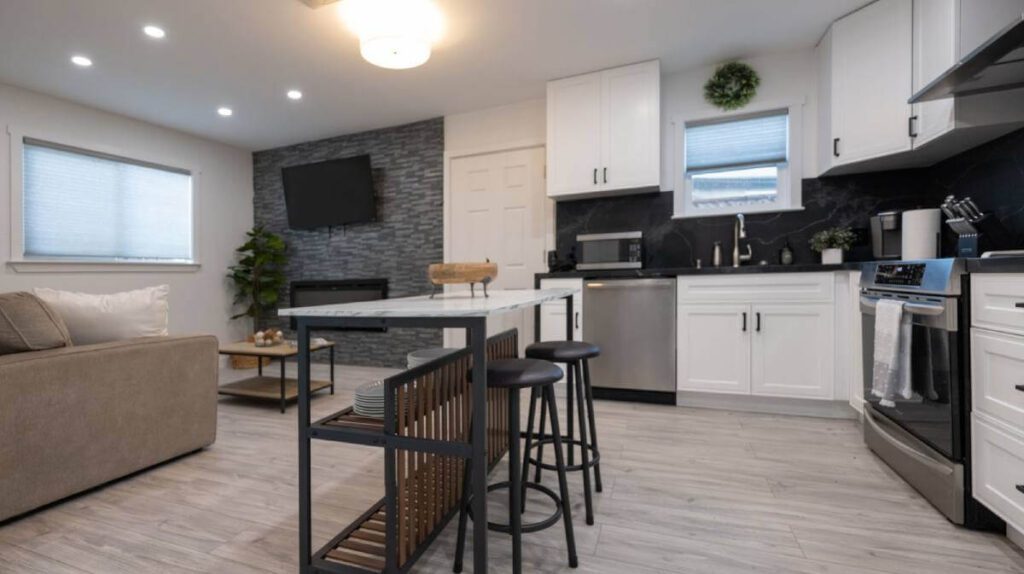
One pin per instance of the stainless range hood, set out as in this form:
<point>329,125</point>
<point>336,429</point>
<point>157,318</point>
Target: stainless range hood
<point>996,65</point>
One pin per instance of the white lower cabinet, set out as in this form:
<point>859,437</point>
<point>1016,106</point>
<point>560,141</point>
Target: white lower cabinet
<point>770,340</point>
<point>998,468</point>
<point>552,313</point>
<point>792,351</point>
<point>714,348</point>
<point>997,394</point>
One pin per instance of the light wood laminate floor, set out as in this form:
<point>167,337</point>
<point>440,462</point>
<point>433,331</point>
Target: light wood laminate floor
<point>685,490</point>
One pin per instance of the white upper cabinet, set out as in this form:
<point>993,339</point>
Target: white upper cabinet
<point>935,51</point>
<point>870,75</point>
<point>604,131</point>
<point>631,127</point>
<point>574,135</point>
<point>874,60</point>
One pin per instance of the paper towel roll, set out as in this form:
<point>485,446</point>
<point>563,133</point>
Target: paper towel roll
<point>920,237</point>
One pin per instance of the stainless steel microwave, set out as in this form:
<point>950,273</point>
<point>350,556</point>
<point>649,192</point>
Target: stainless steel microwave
<point>610,250</point>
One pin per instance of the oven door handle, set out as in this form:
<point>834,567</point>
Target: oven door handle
<point>867,303</point>
<point>910,451</point>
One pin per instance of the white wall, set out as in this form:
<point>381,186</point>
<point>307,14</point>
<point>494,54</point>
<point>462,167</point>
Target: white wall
<point>200,300</point>
<point>501,127</point>
<point>785,78</point>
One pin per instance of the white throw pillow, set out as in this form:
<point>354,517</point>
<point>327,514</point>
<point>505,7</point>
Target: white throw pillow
<point>99,318</point>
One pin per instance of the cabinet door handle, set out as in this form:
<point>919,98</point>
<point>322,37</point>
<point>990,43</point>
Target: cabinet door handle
<point>577,319</point>
<point>835,147</point>
<point>1019,388</point>
<point>910,126</point>
<point>758,328</point>
<point>1019,305</point>
<point>595,176</point>
<point>1020,487</point>
<point>744,321</point>
<point>606,175</point>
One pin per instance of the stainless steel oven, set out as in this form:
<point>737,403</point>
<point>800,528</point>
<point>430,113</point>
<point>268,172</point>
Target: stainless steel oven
<point>925,438</point>
<point>597,251</point>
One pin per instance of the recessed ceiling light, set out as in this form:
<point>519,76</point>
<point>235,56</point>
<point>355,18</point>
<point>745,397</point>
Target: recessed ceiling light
<point>154,32</point>
<point>81,61</point>
<point>294,95</point>
<point>225,111</point>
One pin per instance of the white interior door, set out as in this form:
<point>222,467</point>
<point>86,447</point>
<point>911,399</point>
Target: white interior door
<point>498,211</point>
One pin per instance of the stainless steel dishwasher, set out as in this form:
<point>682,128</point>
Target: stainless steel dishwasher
<point>634,323</point>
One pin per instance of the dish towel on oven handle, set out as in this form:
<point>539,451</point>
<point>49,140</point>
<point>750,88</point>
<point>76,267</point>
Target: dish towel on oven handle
<point>890,376</point>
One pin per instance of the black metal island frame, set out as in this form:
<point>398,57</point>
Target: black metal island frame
<point>425,432</point>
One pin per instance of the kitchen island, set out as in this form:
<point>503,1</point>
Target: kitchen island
<point>383,522</point>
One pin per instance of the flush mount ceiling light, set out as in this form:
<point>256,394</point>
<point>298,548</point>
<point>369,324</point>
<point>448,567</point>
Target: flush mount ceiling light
<point>154,32</point>
<point>294,95</point>
<point>395,34</point>
<point>225,111</point>
<point>81,61</point>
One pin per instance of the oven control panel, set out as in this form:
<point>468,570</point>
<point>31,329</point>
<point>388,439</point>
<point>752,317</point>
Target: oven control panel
<point>903,274</point>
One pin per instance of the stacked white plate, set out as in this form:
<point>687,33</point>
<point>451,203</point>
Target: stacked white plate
<point>370,400</point>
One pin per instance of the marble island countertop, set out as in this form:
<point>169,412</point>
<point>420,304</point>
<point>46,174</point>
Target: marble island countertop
<point>452,304</point>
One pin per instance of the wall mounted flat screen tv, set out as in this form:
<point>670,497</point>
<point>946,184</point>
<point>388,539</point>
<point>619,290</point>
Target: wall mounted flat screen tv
<point>329,193</point>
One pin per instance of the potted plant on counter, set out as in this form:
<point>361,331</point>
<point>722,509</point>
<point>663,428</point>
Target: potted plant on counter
<point>831,243</point>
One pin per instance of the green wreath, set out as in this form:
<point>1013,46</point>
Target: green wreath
<point>732,86</point>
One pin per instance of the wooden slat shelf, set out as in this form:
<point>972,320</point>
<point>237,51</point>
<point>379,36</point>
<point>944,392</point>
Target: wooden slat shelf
<point>347,418</point>
<point>426,446</point>
<point>361,547</point>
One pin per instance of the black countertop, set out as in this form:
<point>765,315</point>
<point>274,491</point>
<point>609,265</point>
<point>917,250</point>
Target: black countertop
<point>996,265</point>
<point>675,271</point>
<point>974,265</point>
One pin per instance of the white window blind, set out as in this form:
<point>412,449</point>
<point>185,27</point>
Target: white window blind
<point>734,164</point>
<point>90,206</point>
<point>731,144</point>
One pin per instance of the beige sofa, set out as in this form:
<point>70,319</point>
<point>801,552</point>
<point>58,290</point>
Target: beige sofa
<point>76,417</point>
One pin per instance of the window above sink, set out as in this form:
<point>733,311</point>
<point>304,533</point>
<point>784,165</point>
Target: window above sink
<point>740,162</point>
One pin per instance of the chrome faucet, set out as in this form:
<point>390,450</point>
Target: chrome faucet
<point>739,231</point>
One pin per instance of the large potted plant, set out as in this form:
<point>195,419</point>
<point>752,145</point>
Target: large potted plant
<point>259,275</point>
<point>831,243</point>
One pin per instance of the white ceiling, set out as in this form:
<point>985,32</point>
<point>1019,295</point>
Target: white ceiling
<point>247,53</point>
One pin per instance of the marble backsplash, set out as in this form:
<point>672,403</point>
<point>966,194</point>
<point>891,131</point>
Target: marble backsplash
<point>991,174</point>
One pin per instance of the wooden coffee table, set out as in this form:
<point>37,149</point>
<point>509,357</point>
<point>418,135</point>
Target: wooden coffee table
<point>280,388</point>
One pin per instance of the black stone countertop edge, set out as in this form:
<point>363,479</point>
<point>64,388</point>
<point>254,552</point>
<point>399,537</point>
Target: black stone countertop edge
<point>674,271</point>
<point>1014,264</point>
<point>974,265</point>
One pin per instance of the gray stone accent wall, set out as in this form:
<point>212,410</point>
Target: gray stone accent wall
<point>408,235</point>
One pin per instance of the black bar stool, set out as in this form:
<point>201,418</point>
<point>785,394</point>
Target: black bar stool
<point>576,355</point>
<point>515,375</point>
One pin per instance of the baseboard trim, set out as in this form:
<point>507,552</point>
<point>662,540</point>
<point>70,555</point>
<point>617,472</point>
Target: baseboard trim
<point>768,405</point>
<point>1015,536</point>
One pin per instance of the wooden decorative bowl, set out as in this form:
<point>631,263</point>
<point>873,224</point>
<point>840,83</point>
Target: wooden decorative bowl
<point>456,273</point>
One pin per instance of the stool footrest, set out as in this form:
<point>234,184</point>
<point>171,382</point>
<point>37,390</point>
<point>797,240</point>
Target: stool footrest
<point>532,526</point>
<point>595,455</point>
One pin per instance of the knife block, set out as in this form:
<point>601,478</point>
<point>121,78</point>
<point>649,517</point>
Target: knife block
<point>976,237</point>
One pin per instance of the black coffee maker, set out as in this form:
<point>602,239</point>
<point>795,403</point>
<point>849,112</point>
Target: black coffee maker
<point>886,235</point>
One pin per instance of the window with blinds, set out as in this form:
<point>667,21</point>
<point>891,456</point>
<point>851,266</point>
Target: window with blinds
<point>81,205</point>
<point>736,164</point>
